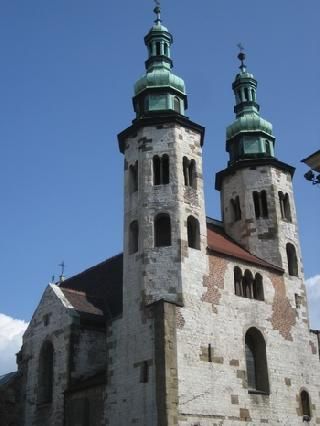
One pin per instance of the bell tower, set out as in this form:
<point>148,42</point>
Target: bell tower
<point>164,219</point>
<point>257,201</point>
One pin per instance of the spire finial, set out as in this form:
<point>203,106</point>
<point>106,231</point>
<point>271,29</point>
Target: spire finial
<point>62,271</point>
<point>242,57</point>
<point>157,11</point>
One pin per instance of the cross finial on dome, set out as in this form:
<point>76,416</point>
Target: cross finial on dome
<point>242,57</point>
<point>157,11</point>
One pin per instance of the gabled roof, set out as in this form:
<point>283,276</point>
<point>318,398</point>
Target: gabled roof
<point>82,302</point>
<point>97,290</point>
<point>219,242</point>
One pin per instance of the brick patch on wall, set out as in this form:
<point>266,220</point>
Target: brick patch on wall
<point>214,281</point>
<point>283,314</point>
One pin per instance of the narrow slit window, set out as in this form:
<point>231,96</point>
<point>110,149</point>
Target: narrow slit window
<point>193,232</point>
<point>133,176</point>
<point>144,372</point>
<point>186,171</point>
<point>165,169</point>
<point>247,284</point>
<point>158,47</point>
<point>237,281</point>
<point>256,204</point>
<point>258,293</point>
<point>235,208</point>
<point>189,173</point>
<point>292,260</point>
<point>305,405</point>
<point>176,105</point>
<point>264,204</point>
<point>166,50</point>
<point>246,94</point>
<point>46,372</point>
<point>133,237</point>
<point>162,230</point>
<point>284,206</point>
<point>156,170</point>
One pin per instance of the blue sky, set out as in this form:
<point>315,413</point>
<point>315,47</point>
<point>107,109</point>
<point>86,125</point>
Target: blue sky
<point>66,81</point>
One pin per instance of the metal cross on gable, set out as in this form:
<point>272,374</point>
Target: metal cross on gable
<point>62,268</point>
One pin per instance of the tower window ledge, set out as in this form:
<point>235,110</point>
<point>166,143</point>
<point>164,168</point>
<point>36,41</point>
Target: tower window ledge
<point>257,392</point>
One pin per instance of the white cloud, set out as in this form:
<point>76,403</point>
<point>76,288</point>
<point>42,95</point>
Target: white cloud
<point>313,291</point>
<point>11,331</point>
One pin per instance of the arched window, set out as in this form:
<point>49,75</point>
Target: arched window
<point>235,209</point>
<point>292,260</point>
<point>193,232</point>
<point>305,405</point>
<point>161,170</point>
<point>189,172</point>
<point>133,237</point>
<point>284,206</point>
<point>237,281</point>
<point>258,287</point>
<point>256,362</point>
<point>176,105</point>
<point>247,284</point>
<point>45,373</point>
<point>260,204</point>
<point>162,230</point>
<point>133,177</point>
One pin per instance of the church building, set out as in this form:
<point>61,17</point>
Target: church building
<point>199,322</point>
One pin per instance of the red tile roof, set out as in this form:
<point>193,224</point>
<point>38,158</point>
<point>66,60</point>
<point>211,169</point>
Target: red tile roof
<point>220,243</point>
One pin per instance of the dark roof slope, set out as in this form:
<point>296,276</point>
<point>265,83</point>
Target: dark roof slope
<point>98,289</point>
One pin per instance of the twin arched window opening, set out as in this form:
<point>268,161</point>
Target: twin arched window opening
<point>292,260</point>
<point>284,206</point>
<point>193,229</point>
<point>189,172</point>
<point>45,373</point>
<point>256,362</point>
<point>245,285</point>
<point>161,170</point>
<point>260,204</point>
<point>235,208</point>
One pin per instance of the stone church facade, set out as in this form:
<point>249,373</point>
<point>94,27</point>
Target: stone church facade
<point>199,322</point>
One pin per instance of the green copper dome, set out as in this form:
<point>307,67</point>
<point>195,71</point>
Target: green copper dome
<point>159,77</point>
<point>249,136</point>
<point>159,91</point>
<point>249,123</point>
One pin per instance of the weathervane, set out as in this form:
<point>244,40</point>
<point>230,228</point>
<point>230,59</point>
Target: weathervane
<point>241,57</point>
<point>157,11</point>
